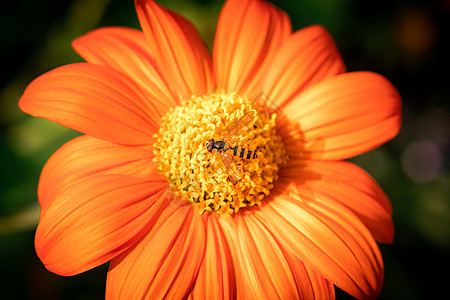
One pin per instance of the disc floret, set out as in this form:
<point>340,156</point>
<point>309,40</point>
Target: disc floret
<point>200,177</point>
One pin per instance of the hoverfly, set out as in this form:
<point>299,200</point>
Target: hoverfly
<point>228,140</point>
<point>227,143</point>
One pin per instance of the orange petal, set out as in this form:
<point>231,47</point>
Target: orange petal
<point>307,282</point>
<point>127,51</point>
<point>344,116</point>
<point>216,276</point>
<point>307,57</point>
<point>310,284</point>
<point>328,238</point>
<point>93,221</point>
<point>87,156</point>
<point>178,49</point>
<point>248,34</point>
<point>262,271</point>
<point>165,263</point>
<point>95,100</point>
<point>349,185</point>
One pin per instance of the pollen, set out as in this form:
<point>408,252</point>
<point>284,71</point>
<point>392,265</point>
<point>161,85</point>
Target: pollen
<point>203,178</point>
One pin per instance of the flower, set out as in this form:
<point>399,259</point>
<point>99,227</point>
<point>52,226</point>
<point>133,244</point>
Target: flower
<point>298,222</point>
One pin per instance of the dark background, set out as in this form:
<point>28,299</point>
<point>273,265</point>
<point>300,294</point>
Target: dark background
<point>406,41</point>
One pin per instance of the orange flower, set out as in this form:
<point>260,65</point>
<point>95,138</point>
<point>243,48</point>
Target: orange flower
<point>299,221</point>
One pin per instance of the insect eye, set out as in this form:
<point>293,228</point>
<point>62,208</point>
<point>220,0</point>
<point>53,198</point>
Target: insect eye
<point>209,145</point>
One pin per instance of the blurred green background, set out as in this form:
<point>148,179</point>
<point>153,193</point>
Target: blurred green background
<point>406,41</point>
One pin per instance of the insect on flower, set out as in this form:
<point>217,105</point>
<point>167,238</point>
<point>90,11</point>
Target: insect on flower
<point>230,139</point>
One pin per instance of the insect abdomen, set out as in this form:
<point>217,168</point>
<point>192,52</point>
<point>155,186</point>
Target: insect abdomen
<point>243,153</point>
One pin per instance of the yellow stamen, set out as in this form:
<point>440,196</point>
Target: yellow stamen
<point>200,177</point>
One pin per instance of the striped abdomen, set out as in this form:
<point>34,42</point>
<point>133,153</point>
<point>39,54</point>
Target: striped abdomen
<point>243,153</point>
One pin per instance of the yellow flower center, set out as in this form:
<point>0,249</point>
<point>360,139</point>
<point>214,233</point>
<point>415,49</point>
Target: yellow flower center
<point>237,169</point>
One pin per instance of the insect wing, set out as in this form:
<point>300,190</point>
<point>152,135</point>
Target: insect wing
<point>240,127</point>
<point>233,170</point>
<point>265,105</point>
